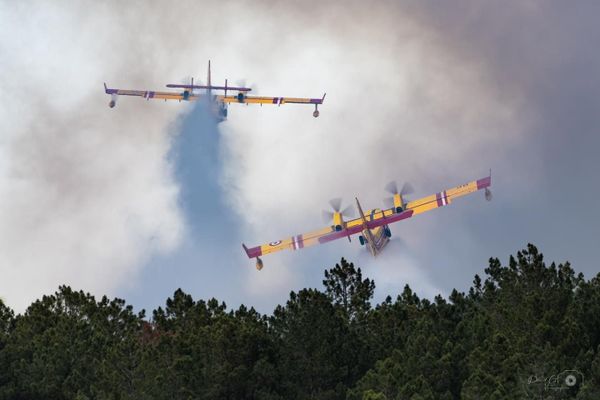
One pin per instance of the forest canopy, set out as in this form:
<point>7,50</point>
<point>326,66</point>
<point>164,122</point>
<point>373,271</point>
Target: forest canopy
<point>524,330</point>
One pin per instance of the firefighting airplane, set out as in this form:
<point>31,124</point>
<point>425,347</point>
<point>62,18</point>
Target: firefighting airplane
<point>372,225</point>
<point>218,102</point>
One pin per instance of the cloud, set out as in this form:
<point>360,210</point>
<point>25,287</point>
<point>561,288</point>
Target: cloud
<point>86,193</point>
<point>89,194</point>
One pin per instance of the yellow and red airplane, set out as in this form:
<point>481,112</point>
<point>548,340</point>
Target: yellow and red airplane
<point>218,102</point>
<point>373,225</point>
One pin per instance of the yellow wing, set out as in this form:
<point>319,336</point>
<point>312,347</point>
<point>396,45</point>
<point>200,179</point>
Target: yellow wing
<point>150,94</point>
<point>188,95</point>
<point>242,98</point>
<point>447,196</point>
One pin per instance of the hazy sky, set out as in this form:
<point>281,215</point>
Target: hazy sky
<point>141,199</point>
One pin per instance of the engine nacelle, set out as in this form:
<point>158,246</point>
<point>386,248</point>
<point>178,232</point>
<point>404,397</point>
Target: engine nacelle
<point>362,240</point>
<point>241,97</point>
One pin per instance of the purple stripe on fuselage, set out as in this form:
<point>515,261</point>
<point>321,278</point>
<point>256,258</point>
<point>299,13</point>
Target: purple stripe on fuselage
<point>483,183</point>
<point>438,197</point>
<point>316,101</point>
<point>275,100</point>
<point>300,241</point>
<point>111,91</point>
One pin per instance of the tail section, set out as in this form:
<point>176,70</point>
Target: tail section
<point>208,83</point>
<point>361,213</point>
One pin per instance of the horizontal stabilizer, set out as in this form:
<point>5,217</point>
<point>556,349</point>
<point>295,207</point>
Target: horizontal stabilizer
<point>234,88</point>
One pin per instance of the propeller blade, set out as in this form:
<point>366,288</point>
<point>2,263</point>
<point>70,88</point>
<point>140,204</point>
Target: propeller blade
<point>336,204</point>
<point>392,187</point>
<point>348,211</point>
<point>241,82</point>
<point>406,189</point>
<point>244,84</point>
<point>187,80</point>
<point>327,216</point>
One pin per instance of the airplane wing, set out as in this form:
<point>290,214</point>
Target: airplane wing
<point>446,197</point>
<point>373,219</point>
<point>268,100</point>
<point>147,94</point>
<point>151,94</point>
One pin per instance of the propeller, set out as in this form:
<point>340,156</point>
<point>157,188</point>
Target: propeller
<point>392,188</point>
<point>243,83</point>
<point>187,80</point>
<point>336,205</point>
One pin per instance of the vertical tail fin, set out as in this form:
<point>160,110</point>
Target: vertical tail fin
<point>361,213</point>
<point>208,77</point>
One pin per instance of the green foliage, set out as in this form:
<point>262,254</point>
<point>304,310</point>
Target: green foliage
<point>348,291</point>
<point>510,336</point>
<point>199,350</point>
<point>525,320</point>
<point>315,347</point>
<point>68,345</point>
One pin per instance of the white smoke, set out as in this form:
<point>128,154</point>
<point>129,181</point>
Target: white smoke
<point>86,193</point>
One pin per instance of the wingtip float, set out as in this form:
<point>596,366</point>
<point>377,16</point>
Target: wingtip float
<point>219,102</point>
<point>373,225</point>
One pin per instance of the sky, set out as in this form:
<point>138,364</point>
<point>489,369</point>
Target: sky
<point>148,197</point>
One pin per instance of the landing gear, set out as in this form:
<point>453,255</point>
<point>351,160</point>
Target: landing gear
<point>316,112</point>
<point>259,263</point>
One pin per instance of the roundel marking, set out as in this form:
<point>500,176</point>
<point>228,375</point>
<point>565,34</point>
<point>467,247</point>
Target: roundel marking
<point>570,380</point>
<point>276,243</point>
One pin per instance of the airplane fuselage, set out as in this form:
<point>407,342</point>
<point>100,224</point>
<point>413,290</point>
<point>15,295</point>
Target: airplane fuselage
<point>377,239</point>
